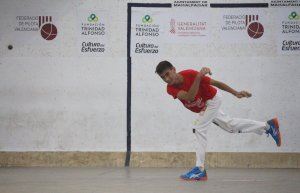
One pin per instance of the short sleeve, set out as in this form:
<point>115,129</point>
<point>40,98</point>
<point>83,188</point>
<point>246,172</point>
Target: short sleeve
<point>205,80</point>
<point>172,91</point>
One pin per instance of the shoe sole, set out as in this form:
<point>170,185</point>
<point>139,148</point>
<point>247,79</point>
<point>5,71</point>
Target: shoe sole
<point>200,179</point>
<point>276,122</point>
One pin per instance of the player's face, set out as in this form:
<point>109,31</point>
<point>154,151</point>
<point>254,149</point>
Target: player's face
<point>169,76</point>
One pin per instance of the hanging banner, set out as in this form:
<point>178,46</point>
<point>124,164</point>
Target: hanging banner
<point>288,25</point>
<point>147,31</point>
<point>243,25</point>
<point>92,32</point>
<point>190,27</point>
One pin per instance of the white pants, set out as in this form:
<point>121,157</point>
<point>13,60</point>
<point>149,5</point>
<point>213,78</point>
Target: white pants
<point>214,114</point>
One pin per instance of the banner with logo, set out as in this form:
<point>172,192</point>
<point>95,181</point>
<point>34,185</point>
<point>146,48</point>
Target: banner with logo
<point>35,28</point>
<point>92,32</point>
<point>190,27</point>
<point>243,25</point>
<point>190,4</point>
<point>288,24</point>
<point>147,31</point>
<point>284,3</point>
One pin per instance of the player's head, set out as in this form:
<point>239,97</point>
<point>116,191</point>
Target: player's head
<point>162,66</point>
<point>166,71</point>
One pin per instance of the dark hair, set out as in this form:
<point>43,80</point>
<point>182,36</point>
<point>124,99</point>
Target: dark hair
<point>162,66</point>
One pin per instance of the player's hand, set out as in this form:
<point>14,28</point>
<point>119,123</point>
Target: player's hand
<point>242,94</point>
<point>205,71</point>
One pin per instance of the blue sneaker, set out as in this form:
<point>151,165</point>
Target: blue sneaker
<point>274,130</point>
<point>195,174</point>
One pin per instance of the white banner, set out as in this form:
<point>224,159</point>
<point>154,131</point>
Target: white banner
<point>92,32</point>
<point>147,31</point>
<point>243,25</point>
<point>288,27</point>
<point>32,29</point>
<point>190,27</point>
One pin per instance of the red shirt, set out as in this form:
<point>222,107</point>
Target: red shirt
<point>205,92</point>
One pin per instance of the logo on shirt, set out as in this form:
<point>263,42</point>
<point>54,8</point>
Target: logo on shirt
<point>197,103</point>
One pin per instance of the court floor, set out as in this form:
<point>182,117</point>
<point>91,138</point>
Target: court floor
<point>146,180</point>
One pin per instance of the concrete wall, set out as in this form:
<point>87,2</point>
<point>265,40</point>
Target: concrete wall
<point>53,99</point>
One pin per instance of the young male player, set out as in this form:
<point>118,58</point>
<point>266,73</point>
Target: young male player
<point>195,90</point>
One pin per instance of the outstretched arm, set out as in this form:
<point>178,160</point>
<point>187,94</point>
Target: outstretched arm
<point>192,92</point>
<point>227,88</point>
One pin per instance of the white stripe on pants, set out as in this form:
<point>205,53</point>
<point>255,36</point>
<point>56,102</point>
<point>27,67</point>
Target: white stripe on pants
<point>214,114</point>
